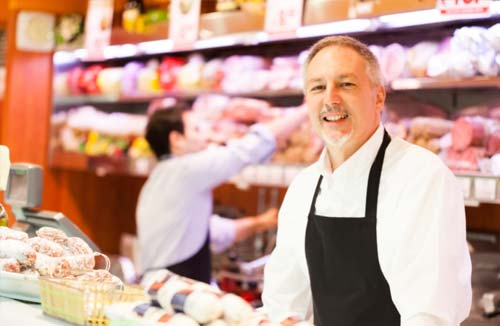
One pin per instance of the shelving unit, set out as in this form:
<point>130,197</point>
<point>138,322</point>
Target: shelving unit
<point>420,23</point>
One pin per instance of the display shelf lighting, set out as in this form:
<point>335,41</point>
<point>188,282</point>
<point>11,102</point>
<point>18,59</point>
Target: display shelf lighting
<point>155,47</point>
<point>338,27</point>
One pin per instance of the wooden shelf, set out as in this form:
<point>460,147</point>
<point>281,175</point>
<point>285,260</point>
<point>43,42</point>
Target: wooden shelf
<point>479,188</point>
<point>101,165</point>
<point>186,95</point>
<point>441,83</point>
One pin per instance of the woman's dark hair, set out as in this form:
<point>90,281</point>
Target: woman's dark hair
<point>161,123</point>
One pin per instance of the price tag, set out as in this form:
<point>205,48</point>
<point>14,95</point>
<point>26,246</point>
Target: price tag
<point>463,7</point>
<point>184,22</point>
<point>465,182</point>
<point>485,188</point>
<point>98,23</point>
<point>283,16</point>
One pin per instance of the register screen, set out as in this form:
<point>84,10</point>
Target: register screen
<point>18,186</point>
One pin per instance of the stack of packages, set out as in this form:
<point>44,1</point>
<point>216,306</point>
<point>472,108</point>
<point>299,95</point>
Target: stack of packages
<point>179,301</point>
<point>51,253</point>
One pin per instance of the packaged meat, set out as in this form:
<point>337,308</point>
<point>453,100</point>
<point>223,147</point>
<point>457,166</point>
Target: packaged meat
<point>468,131</point>
<point>466,160</point>
<point>235,308</point>
<point>169,70</point>
<point>52,234</point>
<point>52,266</point>
<point>492,36</point>
<point>19,250</point>
<point>7,233</point>
<point>77,246</point>
<point>418,57</point>
<point>393,62</point>
<point>486,64</point>
<point>10,265</point>
<point>47,247</point>
<point>129,77</point>
<point>109,80</point>
<point>429,127</point>
<point>88,79</point>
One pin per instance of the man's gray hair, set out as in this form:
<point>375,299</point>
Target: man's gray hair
<point>372,65</point>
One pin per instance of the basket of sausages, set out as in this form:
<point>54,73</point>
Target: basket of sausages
<point>179,301</point>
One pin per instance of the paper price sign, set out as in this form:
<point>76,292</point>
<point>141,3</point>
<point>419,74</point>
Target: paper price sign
<point>98,27</point>
<point>485,188</point>
<point>184,22</point>
<point>283,16</point>
<point>459,7</point>
<point>466,183</point>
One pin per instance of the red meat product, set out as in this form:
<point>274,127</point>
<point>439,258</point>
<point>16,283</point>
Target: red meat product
<point>393,62</point>
<point>467,160</point>
<point>10,265</point>
<point>493,144</point>
<point>467,131</point>
<point>88,79</point>
<point>169,69</point>
<point>74,81</point>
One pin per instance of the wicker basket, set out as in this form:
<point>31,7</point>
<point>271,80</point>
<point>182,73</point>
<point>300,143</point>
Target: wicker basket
<point>82,303</point>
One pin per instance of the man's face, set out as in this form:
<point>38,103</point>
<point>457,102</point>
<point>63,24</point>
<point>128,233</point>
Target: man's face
<point>344,106</point>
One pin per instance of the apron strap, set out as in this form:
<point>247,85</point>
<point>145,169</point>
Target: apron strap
<point>374,179</point>
<point>312,209</point>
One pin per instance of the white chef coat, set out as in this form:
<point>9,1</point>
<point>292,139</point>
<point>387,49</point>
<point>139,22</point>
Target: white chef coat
<point>175,203</point>
<point>421,238</point>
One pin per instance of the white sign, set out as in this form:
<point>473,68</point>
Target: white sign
<point>485,188</point>
<point>98,25</point>
<point>184,22</point>
<point>458,7</point>
<point>466,185</point>
<point>283,16</point>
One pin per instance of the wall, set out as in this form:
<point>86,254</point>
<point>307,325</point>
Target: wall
<point>102,207</point>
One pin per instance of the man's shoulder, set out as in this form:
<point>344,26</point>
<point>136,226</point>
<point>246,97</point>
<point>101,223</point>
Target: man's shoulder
<point>421,161</point>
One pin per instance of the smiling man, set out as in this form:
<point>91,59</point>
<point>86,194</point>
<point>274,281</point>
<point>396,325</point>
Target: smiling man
<point>380,222</point>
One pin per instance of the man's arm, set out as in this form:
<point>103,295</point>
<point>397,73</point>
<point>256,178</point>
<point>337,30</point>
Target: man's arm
<point>430,274</point>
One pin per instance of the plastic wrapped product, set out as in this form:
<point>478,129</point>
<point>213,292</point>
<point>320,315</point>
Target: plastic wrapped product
<point>10,265</point>
<point>47,247</point>
<point>52,266</point>
<point>19,250</point>
<point>486,63</point>
<point>77,246</point>
<point>235,308</point>
<point>149,312</point>
<point>109,80</point>
<point>492,36</point>
<point>419,55</point>
<point>6,233</point>
<point>52,234</point>
<point>467,131</point>
<point>181,320</point>
<point>88,79</point>
<point>393,62</point>
<point>129,77</point>
<point>203,306</point>
<point>461,65</point>
<point>471,39</point>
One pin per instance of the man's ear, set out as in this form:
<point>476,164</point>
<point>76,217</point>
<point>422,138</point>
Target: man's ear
<point>174,137</point>
<point>380,98</point>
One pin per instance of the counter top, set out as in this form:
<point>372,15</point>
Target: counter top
<point>20,313</point>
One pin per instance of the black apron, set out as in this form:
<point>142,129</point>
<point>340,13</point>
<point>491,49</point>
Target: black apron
<point>347,284</point>
<point>198,267</point>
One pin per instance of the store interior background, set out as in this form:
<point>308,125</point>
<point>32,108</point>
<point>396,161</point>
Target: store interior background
<point>102,206</point>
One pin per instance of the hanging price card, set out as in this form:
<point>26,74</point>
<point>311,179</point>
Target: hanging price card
<point>98,24</point>
<point>283,16</point>
<point>466,183</point>
<point>184,22</point>
<point>485,188</point>
<point>459,7</point>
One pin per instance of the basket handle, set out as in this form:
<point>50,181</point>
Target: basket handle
<point>106,259</point>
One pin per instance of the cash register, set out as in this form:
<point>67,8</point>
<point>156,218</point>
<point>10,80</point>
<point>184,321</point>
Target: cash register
<point>24,194</point>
